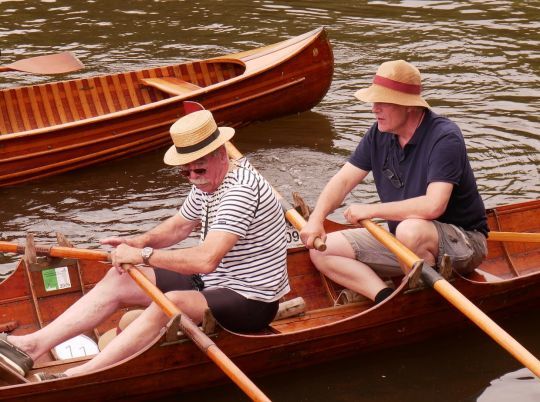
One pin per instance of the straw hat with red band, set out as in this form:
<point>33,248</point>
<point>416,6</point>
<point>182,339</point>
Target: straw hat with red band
<point>194,136</point>
<point>396,82</point>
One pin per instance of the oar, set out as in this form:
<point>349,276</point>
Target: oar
<point>445,289</point>
<point>514,236</point>
<point>291,213</point>
<point>203,342</point>
<point>57,251</point>
<point>57,63</point>
<point>197,336</point>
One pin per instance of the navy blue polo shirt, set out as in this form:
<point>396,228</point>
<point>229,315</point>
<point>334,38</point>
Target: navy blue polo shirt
<point>435,153</point>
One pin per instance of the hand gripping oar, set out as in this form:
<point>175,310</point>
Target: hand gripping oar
<point>445,289</point>
<point>203,342</point>
<point>291,213</point>
<point>49,64</point>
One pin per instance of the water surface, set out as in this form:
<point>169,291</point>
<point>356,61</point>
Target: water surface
<point>480,67</point>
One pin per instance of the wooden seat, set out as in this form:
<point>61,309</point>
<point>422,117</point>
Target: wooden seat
<point>320,316</point>
<point>171,85</point>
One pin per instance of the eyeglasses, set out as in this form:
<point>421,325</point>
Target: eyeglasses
<point>394,178</point>
<point>187,172</point>
<point>390,174</point>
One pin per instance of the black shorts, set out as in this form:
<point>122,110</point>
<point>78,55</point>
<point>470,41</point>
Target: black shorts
<point>231,310</point>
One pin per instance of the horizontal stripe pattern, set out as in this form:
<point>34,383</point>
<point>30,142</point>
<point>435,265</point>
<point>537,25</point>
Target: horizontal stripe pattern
<point>244,204</point>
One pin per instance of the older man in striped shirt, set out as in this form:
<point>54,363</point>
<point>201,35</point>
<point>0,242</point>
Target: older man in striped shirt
<point>238,271</point>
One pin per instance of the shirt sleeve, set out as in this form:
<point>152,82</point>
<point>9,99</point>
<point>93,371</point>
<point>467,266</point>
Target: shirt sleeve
<point>361,157</point>
<point>236,210</point>
<point>447,159</point>
<point>192,206</point>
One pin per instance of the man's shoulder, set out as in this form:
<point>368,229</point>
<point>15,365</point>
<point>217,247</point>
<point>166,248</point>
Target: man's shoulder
<point>245,174</point>
<point>442,123</point>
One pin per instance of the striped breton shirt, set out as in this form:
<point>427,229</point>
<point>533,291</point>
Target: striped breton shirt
<point>244,204</point>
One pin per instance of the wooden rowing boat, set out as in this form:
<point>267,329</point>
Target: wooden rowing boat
<point>60,126</point>
<point>334,323</point>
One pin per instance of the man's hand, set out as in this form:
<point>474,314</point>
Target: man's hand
<point>115,241</point>
<point>124,254</point>
<point>311,231</point>
<point>357,212</point>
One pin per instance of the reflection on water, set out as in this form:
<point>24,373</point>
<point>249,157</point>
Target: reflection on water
<point>479,61</point>
<point>520,385</point>
<point>457,366</point>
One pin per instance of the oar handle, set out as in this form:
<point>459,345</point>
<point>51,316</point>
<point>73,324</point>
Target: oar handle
<point>445,289</point>
<point>291,213</point>
<point>514,236</point>
<point>57,251</point>
<point>196,335</point>
<point>298,221</point>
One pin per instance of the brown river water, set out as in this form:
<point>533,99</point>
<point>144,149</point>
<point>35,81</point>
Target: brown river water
<point>480,62</point>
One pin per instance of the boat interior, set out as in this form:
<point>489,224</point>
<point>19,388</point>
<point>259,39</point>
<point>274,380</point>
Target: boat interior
<point>40,106</point>
<point>29,299</point>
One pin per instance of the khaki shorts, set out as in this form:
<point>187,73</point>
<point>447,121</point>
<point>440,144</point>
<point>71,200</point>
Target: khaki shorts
<point>466,249</point>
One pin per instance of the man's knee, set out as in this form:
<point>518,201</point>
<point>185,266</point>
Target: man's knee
<point>116,286</point>
<point>420,236</point>
<point>112,278</point>
<point>412,231</point>
<point>336,246</point>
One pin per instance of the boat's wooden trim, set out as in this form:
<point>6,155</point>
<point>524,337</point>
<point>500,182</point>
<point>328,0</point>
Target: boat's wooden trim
<point>131,148</point>
<point>11,376</point>
<point>258,95</point>
<point>323,332</point>
<point>106,102</point>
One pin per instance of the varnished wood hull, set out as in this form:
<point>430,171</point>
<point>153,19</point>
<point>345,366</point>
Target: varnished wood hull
<point>323,332</point>
<point>53,128</point>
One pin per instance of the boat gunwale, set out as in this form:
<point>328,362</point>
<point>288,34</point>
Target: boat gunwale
<point>260,343</point>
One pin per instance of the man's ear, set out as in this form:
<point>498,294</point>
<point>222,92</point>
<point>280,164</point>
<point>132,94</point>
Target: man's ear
<point>223,153</point>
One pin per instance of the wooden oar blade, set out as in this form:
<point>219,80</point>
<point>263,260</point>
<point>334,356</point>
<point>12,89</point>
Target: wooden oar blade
<point>58,63</point>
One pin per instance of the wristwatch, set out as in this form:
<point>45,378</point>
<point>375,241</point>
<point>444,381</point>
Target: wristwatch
<point>146,253</point>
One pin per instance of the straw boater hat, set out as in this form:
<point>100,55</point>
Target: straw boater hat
<point>194,136</point>
<point>396,82</point>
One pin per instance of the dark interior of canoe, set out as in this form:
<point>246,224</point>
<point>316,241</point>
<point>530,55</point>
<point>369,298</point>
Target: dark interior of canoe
<point>27,305</point>
<point>32,107</point>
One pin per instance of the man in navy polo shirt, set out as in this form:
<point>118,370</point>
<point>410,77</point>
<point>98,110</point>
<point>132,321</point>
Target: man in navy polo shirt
<point>425,183</point>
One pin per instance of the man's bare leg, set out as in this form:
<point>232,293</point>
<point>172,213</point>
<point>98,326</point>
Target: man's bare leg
<point>339,264</point>
<point>90,310</point>
<point>421,237</point>
<point>143,330</point>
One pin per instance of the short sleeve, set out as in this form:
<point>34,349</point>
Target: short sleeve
<point>361,157</point>
<point>192,206</point>
<point>447,159</point>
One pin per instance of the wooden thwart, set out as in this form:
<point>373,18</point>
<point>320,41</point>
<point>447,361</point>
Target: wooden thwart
<point>171,85</point>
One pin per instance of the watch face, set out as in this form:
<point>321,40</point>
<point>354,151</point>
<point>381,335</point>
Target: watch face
<point>147,252</point>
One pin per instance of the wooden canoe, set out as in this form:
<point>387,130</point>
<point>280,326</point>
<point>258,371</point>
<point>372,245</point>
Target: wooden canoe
<point>332,325</point>
<point>60,126</point>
